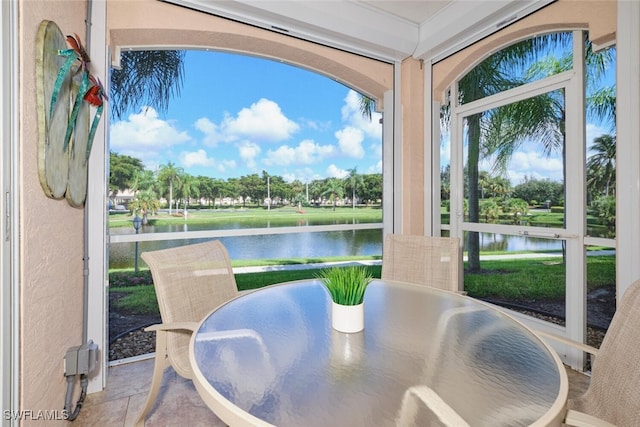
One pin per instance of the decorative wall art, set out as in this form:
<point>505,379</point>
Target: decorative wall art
<point>65,91</point>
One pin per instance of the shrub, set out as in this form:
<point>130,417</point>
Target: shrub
<point>122,279</point>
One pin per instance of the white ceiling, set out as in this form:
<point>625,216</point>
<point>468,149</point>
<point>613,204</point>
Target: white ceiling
<point>414,11</point>
<point>390,30</point>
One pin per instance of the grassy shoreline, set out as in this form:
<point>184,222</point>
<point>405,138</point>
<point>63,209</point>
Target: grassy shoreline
<point>218,216</point>
<point>512,279</point>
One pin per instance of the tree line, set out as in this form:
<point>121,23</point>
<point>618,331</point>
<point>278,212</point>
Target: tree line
<point>498,196</point>
<point>496,133</point>
<point>172,187</point>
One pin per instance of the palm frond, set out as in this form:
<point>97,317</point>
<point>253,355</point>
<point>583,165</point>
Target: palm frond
<point>146,78</point>
<point>366,106</point>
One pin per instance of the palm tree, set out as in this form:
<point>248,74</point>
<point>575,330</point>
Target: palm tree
<point>146,77</point>
<point>602,164</point>
<point>494,75</point>
<point>168,175</point>
<point>145,202</point>
<point>500,131</point>
<point>143,180</point>
<point>315,191</point>
<point>188,187</point>
<point>333,189</point>
<point>353,180</point>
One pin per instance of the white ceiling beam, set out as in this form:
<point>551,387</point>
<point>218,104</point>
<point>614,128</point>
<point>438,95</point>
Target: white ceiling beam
<point>360,27</point>
<point>464,22</point>
<point>347,25</point>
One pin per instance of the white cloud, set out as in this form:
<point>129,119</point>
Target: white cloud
<point>304,175</point>
<point>226,165</point>
<point>356,128</point>
<point>534,165</point>
<point>335,172</point>
<point>350,142</point>
<point>307,152</point>
<point>195,158</point>
<point>375,150</point>
<point>248,153</point>
<point>144,135</point>
<point>377,168</point>
<point>593,132</point>
<point>528,161</point>
<point>289,177</point>
<point>242,136</point>
<point>284,155</point>
<point>263,120</point>
<point>316,125</point>
<point>211,131</point>
<point>445,149</point>
<point>352,116</point>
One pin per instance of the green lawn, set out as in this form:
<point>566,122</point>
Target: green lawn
<point>141,296</point>
<point>514,279</point>
<point>526,279</point>
<point>286,214</point>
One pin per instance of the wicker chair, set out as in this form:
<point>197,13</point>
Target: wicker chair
<point>430,261</point>
<point>613,396</point>
<point>190,281</point>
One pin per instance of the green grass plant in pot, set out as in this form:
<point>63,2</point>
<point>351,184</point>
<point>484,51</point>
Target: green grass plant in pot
<point>347,286</point>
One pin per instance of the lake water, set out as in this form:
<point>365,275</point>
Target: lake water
<point>303,244</point>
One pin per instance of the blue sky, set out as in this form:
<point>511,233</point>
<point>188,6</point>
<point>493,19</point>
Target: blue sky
<point>237,115</point>
<point>529,161</point>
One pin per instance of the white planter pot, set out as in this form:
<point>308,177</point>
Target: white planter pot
<point>347,318</point>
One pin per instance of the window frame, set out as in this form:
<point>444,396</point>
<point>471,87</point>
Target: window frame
<point>574,232</point>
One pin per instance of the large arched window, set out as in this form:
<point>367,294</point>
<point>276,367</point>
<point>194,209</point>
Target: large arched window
<point>159,25</point>
<point>527,172</point>
<point>247,144</point>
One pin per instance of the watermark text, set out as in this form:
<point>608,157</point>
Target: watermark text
<point>36,415</point>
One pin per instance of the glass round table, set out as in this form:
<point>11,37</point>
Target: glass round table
<point>425,357</point>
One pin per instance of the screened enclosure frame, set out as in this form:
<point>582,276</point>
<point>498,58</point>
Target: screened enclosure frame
<point>574,233</point>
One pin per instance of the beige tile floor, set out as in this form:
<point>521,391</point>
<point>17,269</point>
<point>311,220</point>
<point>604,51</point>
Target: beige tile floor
<point>178,403</point>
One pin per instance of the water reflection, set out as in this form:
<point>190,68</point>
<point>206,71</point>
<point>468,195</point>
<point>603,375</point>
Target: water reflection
<point>298,245</point>
<point>304,244</point>
<point>507,243</point>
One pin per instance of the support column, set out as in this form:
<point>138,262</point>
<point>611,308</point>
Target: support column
<point>413,147</point>
<point>628,145</point>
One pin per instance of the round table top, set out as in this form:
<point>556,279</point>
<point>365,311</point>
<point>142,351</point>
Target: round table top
<point>272,357</point>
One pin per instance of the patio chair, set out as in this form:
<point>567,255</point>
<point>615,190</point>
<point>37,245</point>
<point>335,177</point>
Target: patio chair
<point>613,396</point>
<point>422,399</point>
<point>190,281</point>
<point>430,261</point>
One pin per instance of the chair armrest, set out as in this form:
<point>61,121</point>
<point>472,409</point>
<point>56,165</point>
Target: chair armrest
<point>230,334</point>
<point>176,326</point>
<point>580,419</point>
<point>433,402</point>
<point>580,346</point>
